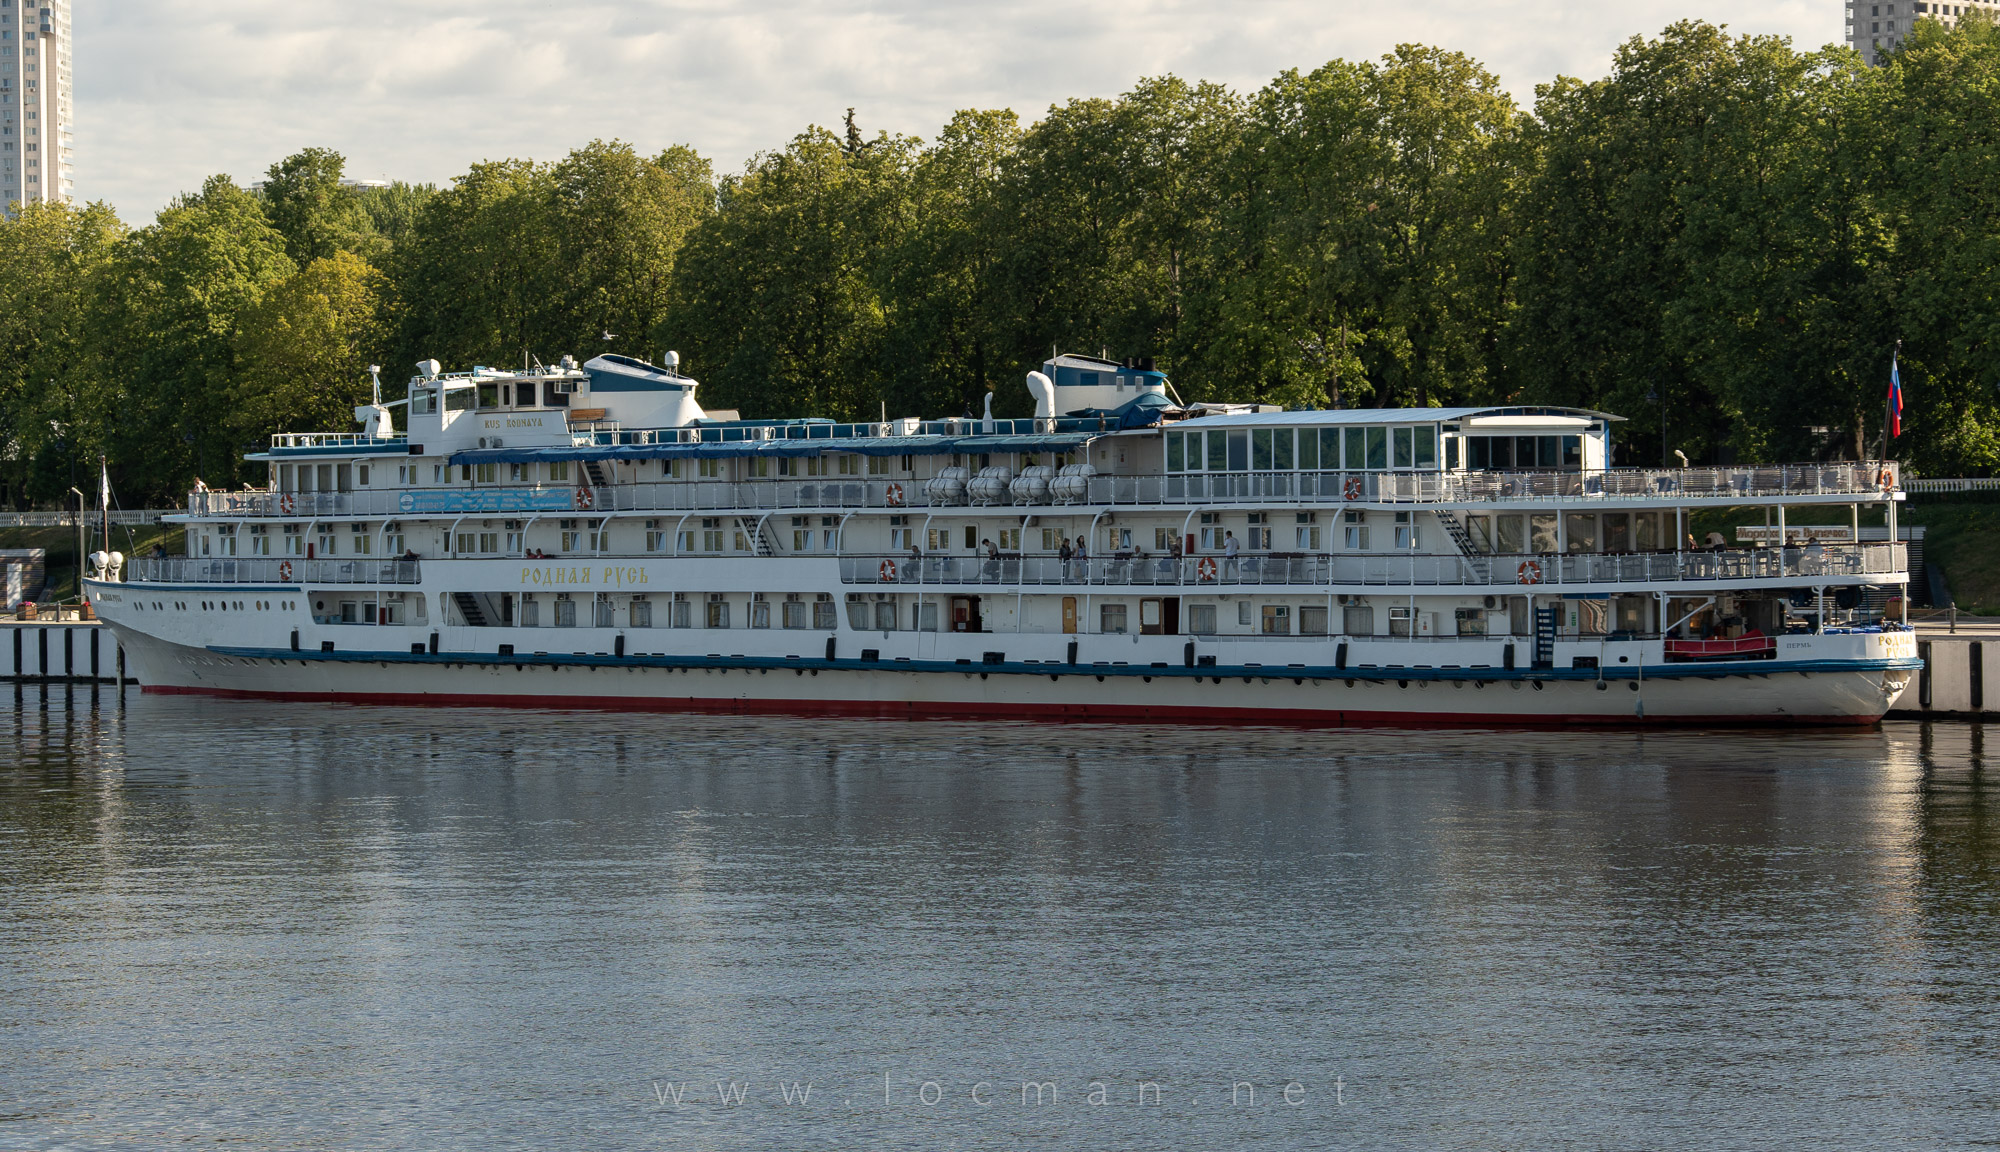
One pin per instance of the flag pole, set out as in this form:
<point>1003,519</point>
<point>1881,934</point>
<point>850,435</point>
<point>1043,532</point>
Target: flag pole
<point>1889,399</point>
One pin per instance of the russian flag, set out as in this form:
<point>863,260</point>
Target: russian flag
<point>1895,396</point>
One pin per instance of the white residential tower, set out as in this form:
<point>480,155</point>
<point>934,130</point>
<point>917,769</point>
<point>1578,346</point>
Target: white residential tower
<point>35,101</point>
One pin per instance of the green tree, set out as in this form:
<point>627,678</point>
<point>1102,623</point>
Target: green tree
<point>305,347</point>
<point>779,299</point>
<point>619,222</point>
<point>53,410</point>
<point>167,330</point>
<point>314,213</point>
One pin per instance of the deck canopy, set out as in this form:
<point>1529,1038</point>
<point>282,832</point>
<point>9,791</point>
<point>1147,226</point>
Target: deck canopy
<point>733,449</point>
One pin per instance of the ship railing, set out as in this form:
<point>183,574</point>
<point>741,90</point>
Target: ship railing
<point>1668,486</point>
<point>270,570</point>
<point>1393,569</point>
<point>336,440</point>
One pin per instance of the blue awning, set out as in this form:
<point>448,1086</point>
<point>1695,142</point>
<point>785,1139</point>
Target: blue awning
<point>725,450</point>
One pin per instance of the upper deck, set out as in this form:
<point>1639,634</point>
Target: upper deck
<point>1616,487</point>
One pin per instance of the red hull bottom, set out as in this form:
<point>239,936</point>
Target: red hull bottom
<point>1072,713</point>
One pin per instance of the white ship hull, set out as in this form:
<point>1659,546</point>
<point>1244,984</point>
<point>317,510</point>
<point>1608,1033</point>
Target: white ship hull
<point>1825,680</point>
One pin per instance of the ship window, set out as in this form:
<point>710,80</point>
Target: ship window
<point>361,474</point>
<point>1111,619</point>
<point>1201,619</point>
<point>1582,530</point>
<point>458,399</point>
<point>1426,447</point>
<point>1312,620</point>
<point>1260,449</point>
<point>423,401</point>
<point>565,611</point>
<point>1329,449</point>
<point>559,472</point>
<point>1239,451</point>
<point>681,613</point>
<point>1218,450</point>
<point>1542,532</point>
<point>793,612</point>
<point>1176,452</point>
<point>824,617</point>
<point>1404,458</point>
<point>1470,621</point>
<point>1400,620</point>
<point>1572,452</point>
<point>1378,449</point>
<point>1646,534</point>
<point>1479,530</point>
<point>1281,449</point>
<point>1510,534</point>
<point>1277,620</point>
<point>924,617</point>
<point>1308,450</point>
<point>1617,528</point>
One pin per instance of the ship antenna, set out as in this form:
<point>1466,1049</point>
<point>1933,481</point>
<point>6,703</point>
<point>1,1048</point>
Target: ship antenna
<point>375,377</point>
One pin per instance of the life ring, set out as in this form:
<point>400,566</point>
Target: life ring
<point>586,499</point>
<point>1886,481</point>
<point>1352,489</point>
<point>894,493</point>
<point>285,570</point>
<point>287,504</point>
<point>1205,568</point>
<point>1530,572</point>
<point>888,570</point>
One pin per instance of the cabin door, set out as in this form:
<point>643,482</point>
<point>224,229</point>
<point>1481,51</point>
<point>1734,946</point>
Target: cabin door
<point>965,614</point>
<point>1069,614</point>
<point>1170,615</point>
<point>1149,618</point>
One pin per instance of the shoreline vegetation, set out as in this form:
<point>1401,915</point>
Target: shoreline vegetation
<point>1723,240</point>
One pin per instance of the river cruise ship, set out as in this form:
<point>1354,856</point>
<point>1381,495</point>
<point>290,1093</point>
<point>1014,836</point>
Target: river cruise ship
<point>588,536</point>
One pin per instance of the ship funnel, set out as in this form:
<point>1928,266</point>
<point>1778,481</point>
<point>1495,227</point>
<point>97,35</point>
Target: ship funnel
<point>1043,390</point>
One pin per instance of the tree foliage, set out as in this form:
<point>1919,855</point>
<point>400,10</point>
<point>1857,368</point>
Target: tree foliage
<point>1724,238</point>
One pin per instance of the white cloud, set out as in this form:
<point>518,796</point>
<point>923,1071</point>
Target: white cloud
<point>169,92</point>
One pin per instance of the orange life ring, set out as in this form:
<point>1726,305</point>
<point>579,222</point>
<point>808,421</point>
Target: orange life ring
<point>888,570</point>
<point>1205,568</point>
<point>1886,481</point>
<point>894,493</point>
<point>284,570</point>
<point>586,499</point>
<point>1352,489</point>
<point>287,504</point>
<point>1530,572</point>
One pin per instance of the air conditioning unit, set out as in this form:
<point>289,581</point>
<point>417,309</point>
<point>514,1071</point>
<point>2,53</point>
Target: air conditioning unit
<point>496,442</point>
<point>1493,601</point>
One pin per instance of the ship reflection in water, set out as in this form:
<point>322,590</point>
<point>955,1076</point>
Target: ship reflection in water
<point>311,927</point>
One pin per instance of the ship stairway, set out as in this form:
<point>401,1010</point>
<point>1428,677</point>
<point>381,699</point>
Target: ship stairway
<point>468,607</point>
<point>1481,567</point>
<point>760,537</point>
<point>595,473</point>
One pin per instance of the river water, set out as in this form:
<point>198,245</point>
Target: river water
<point>291,926</point>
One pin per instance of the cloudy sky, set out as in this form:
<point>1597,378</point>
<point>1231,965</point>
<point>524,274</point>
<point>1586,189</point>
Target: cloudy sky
<point>170,91</point>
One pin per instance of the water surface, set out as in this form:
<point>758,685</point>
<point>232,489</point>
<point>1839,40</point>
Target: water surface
<point>291,926</point>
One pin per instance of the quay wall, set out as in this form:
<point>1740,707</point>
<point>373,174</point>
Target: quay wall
<point>1960,678</point>
<point>60,651</point>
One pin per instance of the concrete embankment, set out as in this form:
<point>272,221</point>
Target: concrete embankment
<point>59,651</point>
<point>1960,679</point>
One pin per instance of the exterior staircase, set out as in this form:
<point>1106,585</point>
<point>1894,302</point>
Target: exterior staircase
<point>1480,565</point>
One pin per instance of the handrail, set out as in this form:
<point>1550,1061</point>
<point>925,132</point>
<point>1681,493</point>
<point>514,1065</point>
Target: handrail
<point>1667,488</point>
<point>1530,572</point>
<point>270,570</point>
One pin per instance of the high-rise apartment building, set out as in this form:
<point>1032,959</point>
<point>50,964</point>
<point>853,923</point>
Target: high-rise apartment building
<point>35,89</point>
<point>1874,29</point>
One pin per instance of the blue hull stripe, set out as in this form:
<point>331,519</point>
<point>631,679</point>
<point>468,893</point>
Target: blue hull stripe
<point>1710,671</point>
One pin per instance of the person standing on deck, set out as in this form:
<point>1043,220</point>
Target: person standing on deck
<point>1229,549</point>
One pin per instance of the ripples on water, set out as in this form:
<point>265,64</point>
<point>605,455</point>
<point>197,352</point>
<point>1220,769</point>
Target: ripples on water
<point>293,926</point>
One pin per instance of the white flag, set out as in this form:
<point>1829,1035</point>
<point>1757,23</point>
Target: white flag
<point>104,486</point>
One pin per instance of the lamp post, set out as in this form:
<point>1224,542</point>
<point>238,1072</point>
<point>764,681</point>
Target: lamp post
<point>80,498</point>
